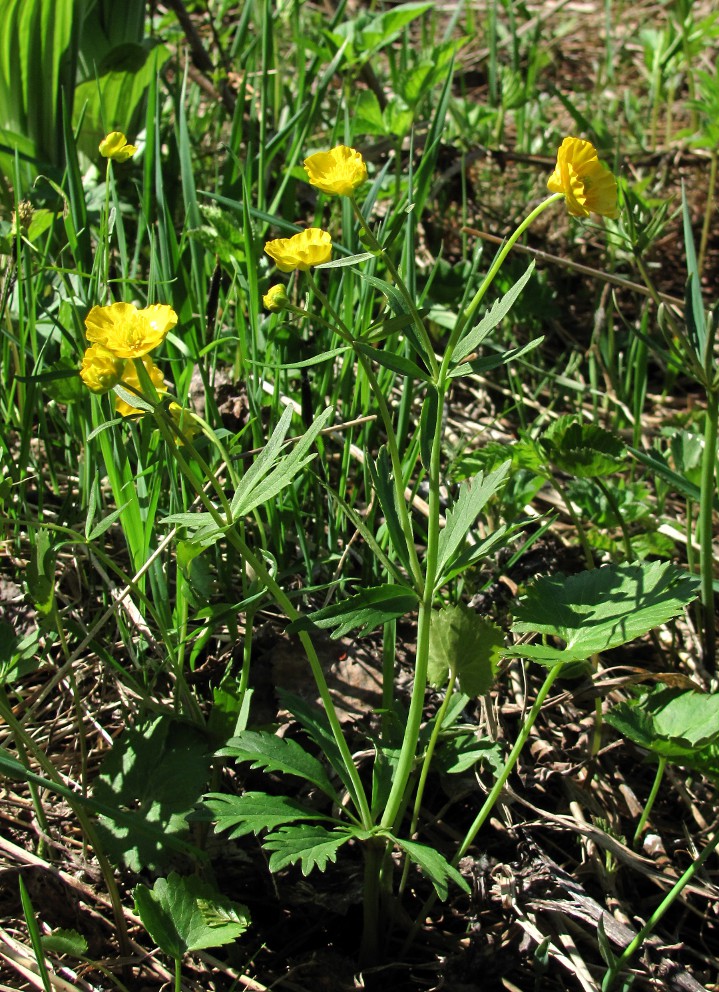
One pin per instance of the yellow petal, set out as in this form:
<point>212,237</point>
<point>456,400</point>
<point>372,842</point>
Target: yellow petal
<point>100,369</point>
<point>587,184</point>
<point>115,146</point>
<point>338,172</point>
<point>308,248</point>
<point>127,331</point>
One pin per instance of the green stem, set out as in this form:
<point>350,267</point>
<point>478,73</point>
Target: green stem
<point>708,211</point>
<point>408,750</point>
<point>375,246</point>
<point>426,764</point>
<point>705,524</point>
<point>284,602</point>
<point>581,533</point>
<point>511,761</point>
<point>499,784</point>
<point>652,797</point>
<point>373,851</point>
<point>609,495</point>
<point>631,949</point>
<point>494,268</point>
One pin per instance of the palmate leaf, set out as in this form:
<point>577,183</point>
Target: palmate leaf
<point>188,914</point>
<point>278,754</point>
<point>601,608</point>
<point>582,450</point>
<point>312,846</point>
<point>682,727</point>
<point>254,812</point>
<point>154,774</point>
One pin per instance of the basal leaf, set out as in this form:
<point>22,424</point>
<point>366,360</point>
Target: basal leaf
<point>154,774</point>
<point>279,754</point>
<point>188,914</point>
<point>582,450</point>
<point>65,942</point>
<point>603,607</point>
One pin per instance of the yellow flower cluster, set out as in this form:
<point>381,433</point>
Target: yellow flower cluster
<point>118,334</point>
<point>115,146</point>
<point>588,185</point>
<point>338,172</point>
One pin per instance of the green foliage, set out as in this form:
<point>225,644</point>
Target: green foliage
<point>186,914</point>
<point>266,750</point>
<point>68,942</point>
<point>364,612</point>
<point>680,727</point>
<point>63,53</point>
<point>465,645</point>
<point>600,609</point>
<point>253,812</point>
<point>154,774</point>
<point>436,868</point>
<point>311,846</point>
<point>582,450</point>
<point>473,497</point>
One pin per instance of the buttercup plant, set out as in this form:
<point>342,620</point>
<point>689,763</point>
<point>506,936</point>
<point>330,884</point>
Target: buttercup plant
<point>455,648</point>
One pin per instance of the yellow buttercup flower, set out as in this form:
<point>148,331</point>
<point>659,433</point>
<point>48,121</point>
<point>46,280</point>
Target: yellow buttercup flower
<point>338,172</point>
<point>131,378</point>
<point>588,185</point>
<point>185,423</point>
<point>115,146</point>
<point>100,369</point>
<point>308,248</point>
<point>127,331</point>
<point>275,299</point>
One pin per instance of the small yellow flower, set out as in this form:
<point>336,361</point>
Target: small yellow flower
<point>186,425</point>
<point>100,369</point>
<point>131,378</point>
<point>338,172</point>
<point>588,185</point>
<point>308,248</point>
<point>127,331</point>
<point>115,146</point>
<point>275,299</point>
